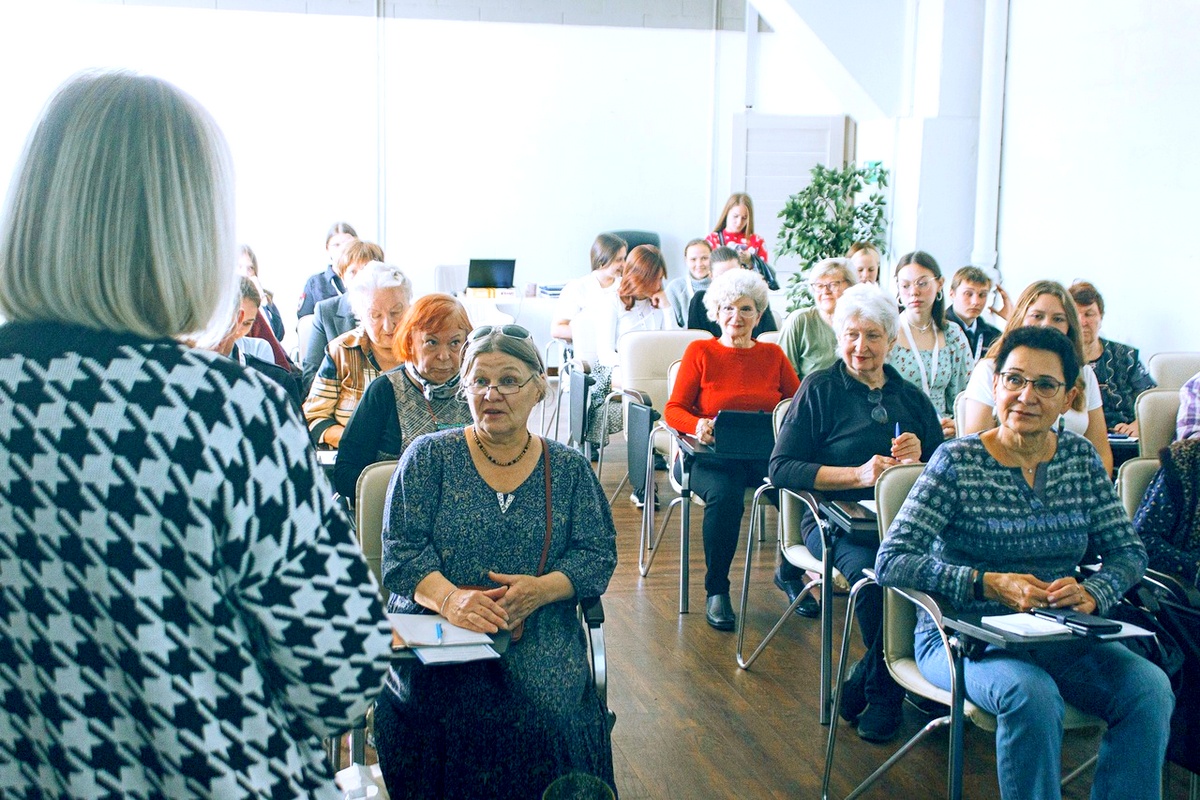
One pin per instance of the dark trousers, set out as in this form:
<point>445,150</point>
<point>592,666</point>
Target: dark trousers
<point>851,559</point>
<point>722,484</point>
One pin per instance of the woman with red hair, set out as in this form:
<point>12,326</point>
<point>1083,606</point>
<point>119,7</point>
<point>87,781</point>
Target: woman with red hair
<point>640,304</point>
<point>419,396</point>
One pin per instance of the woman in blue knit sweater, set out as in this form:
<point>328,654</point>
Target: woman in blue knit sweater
<point>999,521</point>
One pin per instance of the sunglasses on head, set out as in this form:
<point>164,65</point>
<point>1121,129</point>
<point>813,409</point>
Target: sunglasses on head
<point>511,331</point>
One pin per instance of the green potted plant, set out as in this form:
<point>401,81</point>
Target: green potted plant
<point>823,219</point>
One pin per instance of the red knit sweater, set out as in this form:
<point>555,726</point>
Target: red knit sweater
<point>713,377</point>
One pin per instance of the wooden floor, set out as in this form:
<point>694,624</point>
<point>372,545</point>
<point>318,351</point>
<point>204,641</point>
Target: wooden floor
<point>690,724</point>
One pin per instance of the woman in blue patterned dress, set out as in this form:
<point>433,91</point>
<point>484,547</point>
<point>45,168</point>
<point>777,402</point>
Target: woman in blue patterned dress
<point>999,521</point>
<point>464,532</point>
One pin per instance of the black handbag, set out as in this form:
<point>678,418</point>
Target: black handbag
<point>759,265</point>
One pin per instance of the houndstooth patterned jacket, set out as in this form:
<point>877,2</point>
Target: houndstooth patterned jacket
<point>183,611</point>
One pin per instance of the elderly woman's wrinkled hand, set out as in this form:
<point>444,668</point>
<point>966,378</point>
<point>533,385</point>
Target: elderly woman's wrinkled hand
<point>906,448</point>
<point>1069,593</point>
<point>704,431</point>
<point>522,598</point>
<point>1016,590</point>
<point>868,473</point>
<point>478,609</point>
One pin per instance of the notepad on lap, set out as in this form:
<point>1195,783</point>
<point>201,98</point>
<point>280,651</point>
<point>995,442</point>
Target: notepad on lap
<point>1025,625</point>
<point>420,630</point>
<point>455,654</point>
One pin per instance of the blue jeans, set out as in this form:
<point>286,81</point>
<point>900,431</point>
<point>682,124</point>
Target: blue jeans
<point>1026,692</point>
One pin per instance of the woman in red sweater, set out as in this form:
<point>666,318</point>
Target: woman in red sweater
<point>737,373</point>
<point>735,228</point>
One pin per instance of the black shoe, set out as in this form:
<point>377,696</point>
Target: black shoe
<point>635,497</point>
<point>809,607</point>
<point>880,722</point>
<point>720,612</point>
<point>854,693</point>
<point>930,708</point>
<point>660,463</point>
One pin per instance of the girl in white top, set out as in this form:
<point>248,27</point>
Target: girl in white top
<point>929,353</point>
<point>608,260</point>
<point>1045,304</point>
<point>640,303</point>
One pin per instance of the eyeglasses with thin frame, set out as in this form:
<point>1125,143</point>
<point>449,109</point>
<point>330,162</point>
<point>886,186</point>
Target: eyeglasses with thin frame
<point>508,385</point>
<point>878,413</point>
<point>914,286</point>
<point>827,287</point>
<point>1044,385</point>
<point>511,331</point>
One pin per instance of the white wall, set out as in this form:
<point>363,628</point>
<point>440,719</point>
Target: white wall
<point>1099,171</point>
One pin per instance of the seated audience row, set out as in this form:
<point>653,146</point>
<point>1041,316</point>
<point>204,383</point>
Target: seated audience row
<point>334,316</point>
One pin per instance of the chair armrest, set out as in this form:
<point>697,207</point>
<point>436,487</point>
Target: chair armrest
<point>924,600</point>
<point>593,611</point>
<point>638,396</point>
<point>1175,587</point>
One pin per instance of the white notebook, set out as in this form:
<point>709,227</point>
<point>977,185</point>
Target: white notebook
<point>1025,625</point>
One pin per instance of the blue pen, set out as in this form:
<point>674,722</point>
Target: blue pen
<point>437,629</point>
<point>897,430</point>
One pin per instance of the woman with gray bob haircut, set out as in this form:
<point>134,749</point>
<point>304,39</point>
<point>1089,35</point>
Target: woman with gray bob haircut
<point>867,303</point>
<point>835,268</point>
<point>729,286</point>
<point>495,340</point>
<point>177,465</point>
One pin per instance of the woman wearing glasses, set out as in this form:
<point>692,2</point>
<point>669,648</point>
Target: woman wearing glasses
<point>733,372</point>
<point>929,352</point>
<point>1044,304</point>
<point>475,532</point>
<point>999,522</point>
<point>847,425</point>
<point>808,337</point>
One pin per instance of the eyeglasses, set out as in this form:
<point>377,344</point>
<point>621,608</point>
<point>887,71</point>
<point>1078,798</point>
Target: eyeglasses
<point>914,286</point>
<point>878,413</point>
<point>827,287</point>
<point>511,331</point>
<point>507,385</point>
<point>1044,386</point>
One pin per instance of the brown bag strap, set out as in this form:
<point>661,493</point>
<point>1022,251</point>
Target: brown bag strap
<point>549,519</point>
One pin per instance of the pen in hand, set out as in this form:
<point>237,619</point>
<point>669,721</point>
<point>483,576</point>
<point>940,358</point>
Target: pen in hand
<point>437,630</point>
<point>897,430</point>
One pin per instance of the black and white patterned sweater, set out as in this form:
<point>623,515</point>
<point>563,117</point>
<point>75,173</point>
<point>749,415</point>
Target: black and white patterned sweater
<point>183,610</point>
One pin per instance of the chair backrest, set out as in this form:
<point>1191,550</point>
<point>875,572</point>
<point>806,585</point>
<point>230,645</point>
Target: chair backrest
<point>1155,410</point>
<point>369,497</point>
<point>899,617</point>
<point>1172,370</point>
<point>1133,478</point>
<point>646,355</point>
<point>635,238</point>
<point>791,509</point>
<point>960,409</point>
<point>583,335</point>
<point>771,337</point>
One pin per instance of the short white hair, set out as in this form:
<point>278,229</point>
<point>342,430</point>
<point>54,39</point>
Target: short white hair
<point>833,266</point>
<point>729,286</point>
<point>120,214</point>
<point>374,277</point>
<point>866,302</point>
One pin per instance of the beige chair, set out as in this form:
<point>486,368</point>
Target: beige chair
<point>1155,410</point>
<point>1133,478</point>
<point>792,506</point>
<point>1173,370</point>
<point>772,337</point>
<point>899,625</point>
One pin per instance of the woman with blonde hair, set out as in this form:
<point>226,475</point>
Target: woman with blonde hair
<point>1043,304</point>
<point>174,493</point>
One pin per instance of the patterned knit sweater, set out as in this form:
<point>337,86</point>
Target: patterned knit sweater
<point>967,512</point>
<point>183,611</point>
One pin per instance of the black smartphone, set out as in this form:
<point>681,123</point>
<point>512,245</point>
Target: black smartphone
<point>1077,621</point>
